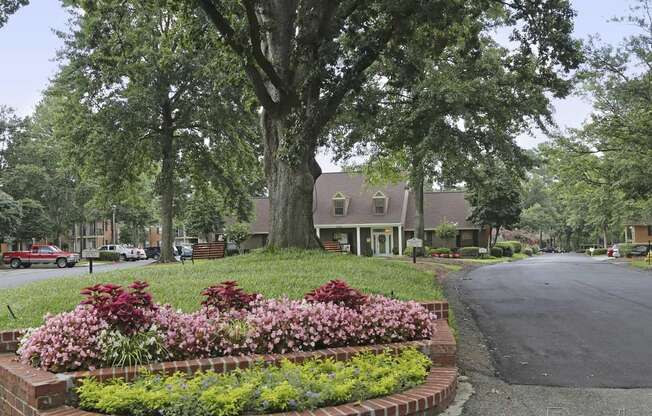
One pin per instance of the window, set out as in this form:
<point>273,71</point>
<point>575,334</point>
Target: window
<point>649,230</point>
<point>339,204</point>
<point>380,203</point>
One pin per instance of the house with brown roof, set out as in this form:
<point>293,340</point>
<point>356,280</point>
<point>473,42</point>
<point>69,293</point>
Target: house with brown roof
<point>374,219</point>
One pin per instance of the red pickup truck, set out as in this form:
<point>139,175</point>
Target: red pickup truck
<point>40,254</point>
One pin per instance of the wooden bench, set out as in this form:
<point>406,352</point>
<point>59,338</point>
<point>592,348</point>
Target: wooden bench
<point>332,246</point>
<point>209,251</point>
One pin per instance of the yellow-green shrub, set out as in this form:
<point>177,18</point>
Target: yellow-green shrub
<point>261,389</point>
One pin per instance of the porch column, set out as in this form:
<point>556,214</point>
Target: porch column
<point>400,240</point>
<point>317,231</point>
<point>357,240</point>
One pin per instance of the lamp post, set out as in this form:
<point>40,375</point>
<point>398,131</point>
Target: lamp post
<point>113,224</point>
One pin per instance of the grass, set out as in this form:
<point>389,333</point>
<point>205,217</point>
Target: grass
<point>286,273</point>
<point>642,264</point>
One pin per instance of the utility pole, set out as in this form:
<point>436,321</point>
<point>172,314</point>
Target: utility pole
<point>113,224</point>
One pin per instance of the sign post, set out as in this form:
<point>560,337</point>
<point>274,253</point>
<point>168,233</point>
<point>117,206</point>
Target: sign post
<point>414,243</point>
<point>90,254</point>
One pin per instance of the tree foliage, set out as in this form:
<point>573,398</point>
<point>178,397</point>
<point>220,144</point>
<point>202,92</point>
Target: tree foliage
<point>9,7</point>
<point>159,91</point>
<point>495,198</point>
<point>204,212</point>
<point>10,216</point>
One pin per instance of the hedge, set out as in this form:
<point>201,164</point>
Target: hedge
<point>516,246</point>
<point>496,251</point>
<point>508,250</point>
<point>469,251</point>
<point>440,250</point>
<point>109,256</point>
<point>528,251</point>
<point>596,251</point>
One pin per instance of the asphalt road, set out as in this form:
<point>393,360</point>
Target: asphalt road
<point>564,320</point>
<point>11,278</point>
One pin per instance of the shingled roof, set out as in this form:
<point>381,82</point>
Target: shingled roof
<point>451,206</point>
<point>438,207</point>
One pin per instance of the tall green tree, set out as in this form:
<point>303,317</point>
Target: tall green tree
<point>162,90</point>
<point>445,114</point>
<point>204,213</point>
<point>495,198</point>
<point>10,216</point>
<point>304,58</point>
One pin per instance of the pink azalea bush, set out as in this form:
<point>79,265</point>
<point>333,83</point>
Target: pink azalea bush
<point>231,322</point>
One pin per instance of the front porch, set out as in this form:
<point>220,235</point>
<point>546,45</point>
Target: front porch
<point>365,239</point>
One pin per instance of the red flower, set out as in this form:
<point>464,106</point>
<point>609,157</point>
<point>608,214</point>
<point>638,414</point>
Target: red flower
<point>339,292</point>
<point>227,295</point>
<point>121,309</point>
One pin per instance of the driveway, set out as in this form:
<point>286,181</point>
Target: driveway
<point>11,278</point>
<point>564,320</point>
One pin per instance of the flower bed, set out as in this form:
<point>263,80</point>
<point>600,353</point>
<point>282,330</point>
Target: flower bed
<point>261,389</point>
<point>114,326</point>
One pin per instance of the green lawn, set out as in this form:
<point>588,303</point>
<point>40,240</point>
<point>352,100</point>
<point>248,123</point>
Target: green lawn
<point>291,273</point>
<point>642,264</point>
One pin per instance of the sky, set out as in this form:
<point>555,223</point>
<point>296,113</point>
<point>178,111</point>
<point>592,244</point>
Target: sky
<point>28,47</point>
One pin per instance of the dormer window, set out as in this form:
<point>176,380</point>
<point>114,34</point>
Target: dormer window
<point>340,203</point>
<point>379,203</point>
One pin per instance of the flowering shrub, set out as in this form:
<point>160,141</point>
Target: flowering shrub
<point>279,326</point>
<point>187,335</point>
<point>67,341</point>
<point>101,332</point>
<point>124,310</point>
<point>227,295</point>
<point>337,291</point>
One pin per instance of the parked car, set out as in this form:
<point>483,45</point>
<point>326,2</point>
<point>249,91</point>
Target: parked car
<point>141,252</point>
<point>549,250</point>
<point>184,251</point>
<point>125,252</point>
<point>155,252</point>
<point>610,251</point>
<point>40,254</point>
<point>640,250</point>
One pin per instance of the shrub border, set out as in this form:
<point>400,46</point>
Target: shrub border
<point>29,391</point>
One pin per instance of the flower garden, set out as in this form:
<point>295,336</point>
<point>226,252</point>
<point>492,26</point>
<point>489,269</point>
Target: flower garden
<point>116,326</point>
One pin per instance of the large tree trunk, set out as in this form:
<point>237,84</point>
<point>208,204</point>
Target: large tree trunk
<point>291,179</point>
<point>166,187</point>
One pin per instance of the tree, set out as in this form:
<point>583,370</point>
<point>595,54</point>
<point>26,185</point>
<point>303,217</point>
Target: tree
<point>10,216</point>
<point>446,231</point>
<point>9,7</point>
<point>495,199</point>
<point>304,58</point>
<point>204,213</point>
<point>34,223</point>
<point>237,232</point>
<point>160,91</point>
